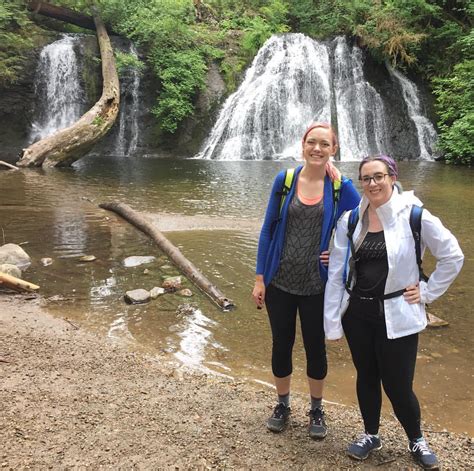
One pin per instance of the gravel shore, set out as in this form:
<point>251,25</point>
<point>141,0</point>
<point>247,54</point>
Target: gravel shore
<point>70,399</point>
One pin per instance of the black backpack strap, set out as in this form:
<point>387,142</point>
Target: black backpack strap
<point>415,225</point>
<point>351,225</point>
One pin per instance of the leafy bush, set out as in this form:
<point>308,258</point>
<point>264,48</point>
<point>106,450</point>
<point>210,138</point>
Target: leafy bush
<point>125,60</point>
<point>14,40</point>
<point>455,107</point>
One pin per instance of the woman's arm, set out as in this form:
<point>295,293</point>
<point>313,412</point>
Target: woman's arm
<point>449,257</point>
<point>271,216</point>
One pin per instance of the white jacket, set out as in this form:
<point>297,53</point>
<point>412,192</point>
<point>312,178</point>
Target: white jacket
<point>401,317</point>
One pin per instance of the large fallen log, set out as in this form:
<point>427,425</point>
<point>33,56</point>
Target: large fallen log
<point>17,284</point>
<point>61,13</point>
<point>70,144</point>
<point>175,255</point>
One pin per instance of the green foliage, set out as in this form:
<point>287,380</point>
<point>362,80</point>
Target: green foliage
<point>124,61</point>
<point>14,40</point>
<point>98,121</point>
<point>455,107</point>
<point>177,49</point>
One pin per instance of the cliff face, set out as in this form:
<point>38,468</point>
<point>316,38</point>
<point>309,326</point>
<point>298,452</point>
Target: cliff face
<point>18,105</point>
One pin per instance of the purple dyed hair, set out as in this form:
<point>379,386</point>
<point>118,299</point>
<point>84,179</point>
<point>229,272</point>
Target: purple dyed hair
<point>389,162</point>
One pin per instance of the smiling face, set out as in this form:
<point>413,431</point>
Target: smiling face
<point>318,146</point>
<point>377,193</point>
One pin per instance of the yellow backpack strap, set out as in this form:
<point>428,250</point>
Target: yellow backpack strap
<point>289,175</point>
<point>336,193</point>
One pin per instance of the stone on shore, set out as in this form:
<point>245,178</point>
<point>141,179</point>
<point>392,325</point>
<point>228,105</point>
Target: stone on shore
<point>13,254</point>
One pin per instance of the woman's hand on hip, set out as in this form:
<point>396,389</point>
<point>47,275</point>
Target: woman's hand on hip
<point>324,257</point>
<point>258,293</point>
<point>412,294</point>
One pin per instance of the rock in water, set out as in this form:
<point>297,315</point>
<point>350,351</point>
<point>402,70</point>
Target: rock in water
<point>10,269</point>
<point>172,283</point>
<point>46,261</point>
<point>137,296</point>
<point>136,260</point>
<point>14,255</point>
<point>87,258</point>
<point>156,291</point>
<point>186,292</point>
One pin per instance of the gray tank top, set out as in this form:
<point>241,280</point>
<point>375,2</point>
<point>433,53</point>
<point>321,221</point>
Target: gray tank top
<point>298,272</point>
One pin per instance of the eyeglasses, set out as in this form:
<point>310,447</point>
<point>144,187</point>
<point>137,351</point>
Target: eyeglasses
<point>377,178</point>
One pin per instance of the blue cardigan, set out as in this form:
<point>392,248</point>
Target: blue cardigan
<point>272,235</point>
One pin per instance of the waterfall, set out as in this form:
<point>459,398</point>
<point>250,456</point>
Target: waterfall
<point>57,88</point>
<point>295,80</point>
<point>426,132</point>
<point>281,93</point>
<point>359,108</point>
<point>127,136</point>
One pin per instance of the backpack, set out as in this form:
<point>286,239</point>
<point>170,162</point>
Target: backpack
<point>289,177</point>
<point>415,225</point>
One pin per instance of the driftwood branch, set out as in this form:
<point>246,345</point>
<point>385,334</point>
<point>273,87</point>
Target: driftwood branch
<point>175,255</point>
<point>68,145</point>
<point>7,165</point>
<point>17,284</point>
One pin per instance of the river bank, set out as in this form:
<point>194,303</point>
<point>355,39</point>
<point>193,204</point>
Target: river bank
<point>73,399</point>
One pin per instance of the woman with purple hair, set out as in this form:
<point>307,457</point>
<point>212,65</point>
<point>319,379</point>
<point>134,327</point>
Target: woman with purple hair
<point>375,297</point>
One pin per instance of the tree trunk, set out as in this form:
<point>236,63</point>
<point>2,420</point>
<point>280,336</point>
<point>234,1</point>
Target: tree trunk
<point>181,262</point>
<point>70,144</point>
<point>61,13</point>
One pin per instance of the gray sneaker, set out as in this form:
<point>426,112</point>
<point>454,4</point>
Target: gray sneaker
<point>422,454</point>
<point>364,446</point>
<point>278,420</point>
<point>317,425</point>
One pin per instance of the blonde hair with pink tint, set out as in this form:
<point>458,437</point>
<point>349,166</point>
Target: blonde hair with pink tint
<point>331,170</point>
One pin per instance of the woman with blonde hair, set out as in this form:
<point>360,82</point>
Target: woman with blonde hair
<point>291,267</point>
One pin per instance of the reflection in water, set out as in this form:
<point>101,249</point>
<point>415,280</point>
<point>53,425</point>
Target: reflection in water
<point>70,232</point>
<point>57,213</point>
<point>195,338</point>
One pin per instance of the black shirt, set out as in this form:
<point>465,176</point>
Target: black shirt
<point>372,265</point>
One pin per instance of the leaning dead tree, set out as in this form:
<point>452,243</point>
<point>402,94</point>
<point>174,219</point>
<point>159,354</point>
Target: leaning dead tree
<point>68,145</point>
<point>175,255</point>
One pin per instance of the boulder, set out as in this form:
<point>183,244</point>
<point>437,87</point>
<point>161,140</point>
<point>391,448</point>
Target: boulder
<point>137,296</point>
<point>14,255</point>
<point>186,292</point>
<point>11,270</point>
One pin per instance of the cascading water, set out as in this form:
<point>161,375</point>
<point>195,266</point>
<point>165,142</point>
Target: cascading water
<point>359,108</point>
<point>127,137</point>
<point>426,132</point>
<point>293,81</point>
<point>57,88</point>
<point>282,91</point>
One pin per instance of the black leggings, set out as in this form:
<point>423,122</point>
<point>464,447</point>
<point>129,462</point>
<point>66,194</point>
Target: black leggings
<point>379,360</point>
<point>282,308</point>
